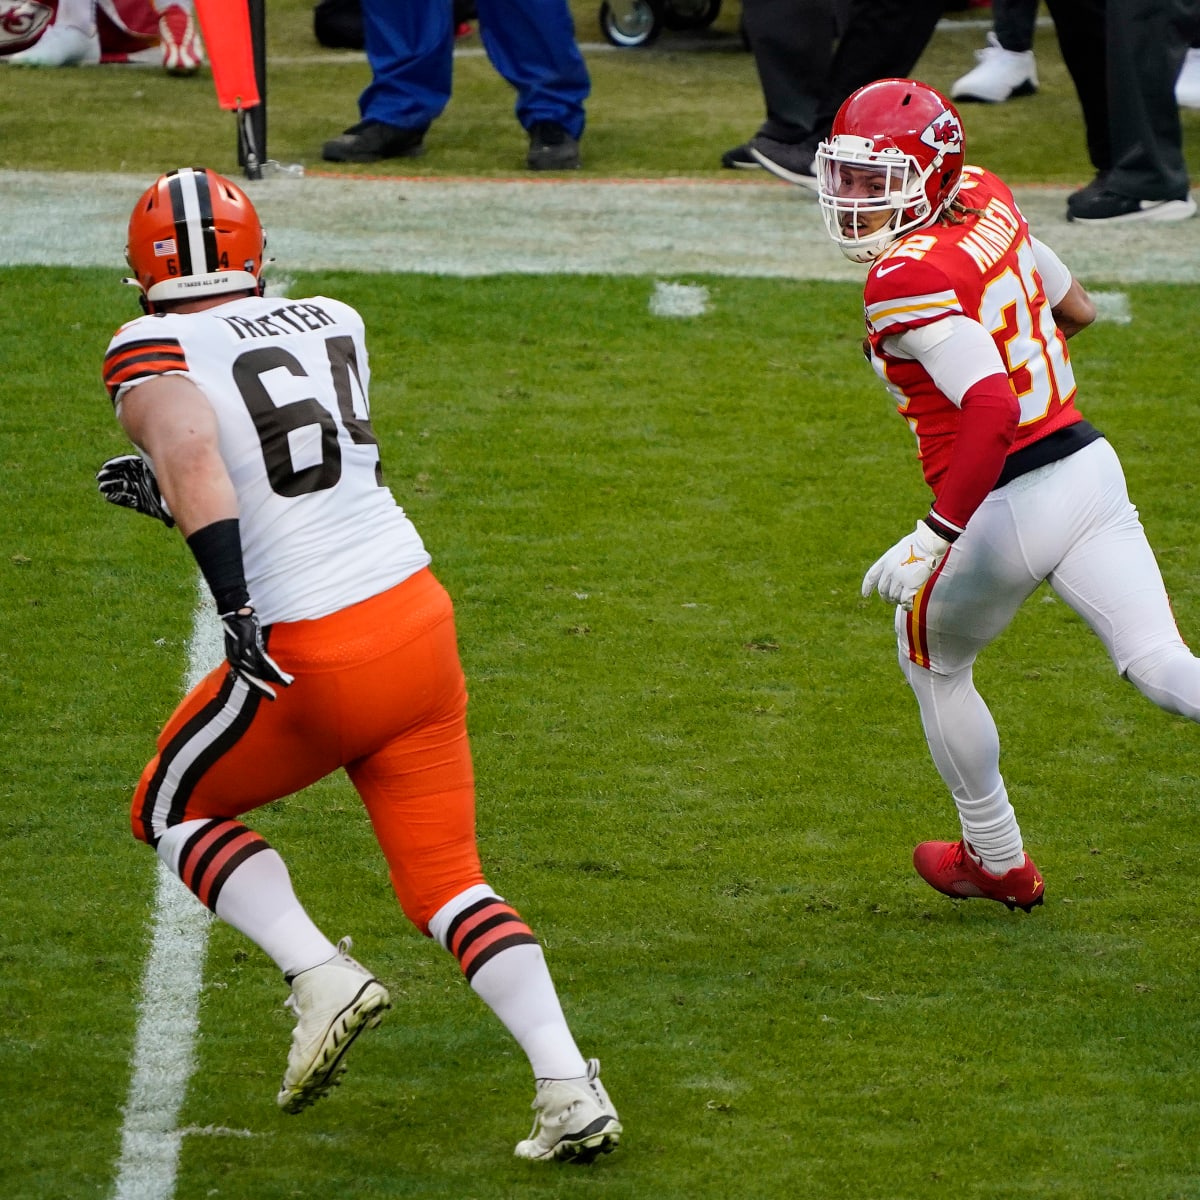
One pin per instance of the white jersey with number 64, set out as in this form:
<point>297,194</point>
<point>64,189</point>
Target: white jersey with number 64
<point>289,381</point>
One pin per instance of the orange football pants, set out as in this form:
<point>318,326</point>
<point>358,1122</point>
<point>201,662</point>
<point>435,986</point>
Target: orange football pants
<point>379,690</point>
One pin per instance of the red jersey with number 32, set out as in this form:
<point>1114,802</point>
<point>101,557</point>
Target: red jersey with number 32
<point>983,269</point>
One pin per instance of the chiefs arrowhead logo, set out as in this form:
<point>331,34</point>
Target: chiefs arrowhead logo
<point>22,22</point>
<point>943,133</point>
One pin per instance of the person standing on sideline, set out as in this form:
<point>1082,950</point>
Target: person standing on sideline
<point>967,318</point>
<point>878,39</point>
<point>1125,58</point>
<point>410,47</point>
<point>1005,67</point>
<point>792,44</point>
<point>254,416</point>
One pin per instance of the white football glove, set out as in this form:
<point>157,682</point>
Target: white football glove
<point>904,569</point>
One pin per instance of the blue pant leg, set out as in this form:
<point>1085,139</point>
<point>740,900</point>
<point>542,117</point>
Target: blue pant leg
<point>532,44</point>
<point>410,46</point>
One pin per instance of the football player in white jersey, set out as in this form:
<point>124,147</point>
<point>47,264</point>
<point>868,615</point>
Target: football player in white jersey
<point>252,415</point>
<point>968,317</point>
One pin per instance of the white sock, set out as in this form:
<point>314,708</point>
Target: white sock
<point>507,969</point>
<point>990,828</point>
<point>517,987</point>
<point>965,747</point>
<point>256,897</point>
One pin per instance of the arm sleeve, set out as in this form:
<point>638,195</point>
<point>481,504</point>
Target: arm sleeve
<point>986,429</point>
<point>217,549</point>
<point>1056,279</point>
<point>964,363</point>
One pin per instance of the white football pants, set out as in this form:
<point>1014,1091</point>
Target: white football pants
<point>1071,524</point>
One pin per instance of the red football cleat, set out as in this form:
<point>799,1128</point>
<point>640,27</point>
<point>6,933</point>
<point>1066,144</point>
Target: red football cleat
<point>949,868</point>
<point>181,51</point>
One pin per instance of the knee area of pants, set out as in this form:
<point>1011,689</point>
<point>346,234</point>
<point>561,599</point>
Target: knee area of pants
<point>1158,667</point>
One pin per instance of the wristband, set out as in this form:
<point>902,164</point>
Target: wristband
<point>942,527</point>
<point>217,549</point>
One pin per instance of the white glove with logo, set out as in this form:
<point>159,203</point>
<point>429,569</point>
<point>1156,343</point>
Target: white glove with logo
<point>904,569</point>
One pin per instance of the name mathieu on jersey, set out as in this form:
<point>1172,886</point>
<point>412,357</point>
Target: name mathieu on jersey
<point>982,268</point>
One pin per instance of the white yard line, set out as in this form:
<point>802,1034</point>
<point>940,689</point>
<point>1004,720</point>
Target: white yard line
<point>168,1014</point>
<point>168,1017</point>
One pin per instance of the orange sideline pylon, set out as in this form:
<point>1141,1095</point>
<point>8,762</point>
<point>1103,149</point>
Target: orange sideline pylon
<point>225,25</point>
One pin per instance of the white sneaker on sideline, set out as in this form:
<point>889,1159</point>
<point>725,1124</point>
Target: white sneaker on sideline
<point>999,75</point>
<point>1187,86</point>
<point>334,1002</point>
<point>60,46</point>
<point>575,1120</point>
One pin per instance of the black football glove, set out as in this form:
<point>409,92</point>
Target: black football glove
<point>129,482</point>
<point>248,657</point>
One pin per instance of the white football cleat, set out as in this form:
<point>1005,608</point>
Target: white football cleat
<point>575,1120</point>
<point>334,1002</point>
<point>999,75</point>
<point>60,46</point>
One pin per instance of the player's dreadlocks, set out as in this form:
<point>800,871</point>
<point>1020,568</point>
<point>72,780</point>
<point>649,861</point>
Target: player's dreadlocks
<point>956,212</point>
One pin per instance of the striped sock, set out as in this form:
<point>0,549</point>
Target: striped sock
<point>211,855</point>
<point>506,968</point>
<point>482,930</point>
<point>237,874</point>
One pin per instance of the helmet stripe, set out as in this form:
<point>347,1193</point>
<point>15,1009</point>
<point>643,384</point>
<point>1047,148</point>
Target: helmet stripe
<point>183,245</point>
<point>208,226</point>
<point>191,208</point>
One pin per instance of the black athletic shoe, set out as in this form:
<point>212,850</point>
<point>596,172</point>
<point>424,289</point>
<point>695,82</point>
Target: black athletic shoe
<point>1088,206</point>
<point>792,161</point>
<point>551,148</point>
<point>369,141</point>
<point>740,159</point>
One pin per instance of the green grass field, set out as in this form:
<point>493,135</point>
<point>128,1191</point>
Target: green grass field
<point>700,771</point>
<point>700,778</point>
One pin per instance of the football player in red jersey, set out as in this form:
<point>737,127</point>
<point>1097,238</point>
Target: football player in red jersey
<point>968,316</point>
<point>80,33</point>
<point>340,646</point>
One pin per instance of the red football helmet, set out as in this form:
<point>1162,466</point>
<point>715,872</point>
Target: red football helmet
<point>194,234</point>
<point>896,147</point>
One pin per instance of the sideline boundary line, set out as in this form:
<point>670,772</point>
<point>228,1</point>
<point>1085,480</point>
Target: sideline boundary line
<point>169,1010</point>
<point>581,226</point>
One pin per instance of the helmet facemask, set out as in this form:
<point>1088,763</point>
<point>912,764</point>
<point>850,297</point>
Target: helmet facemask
<point>857,181</point>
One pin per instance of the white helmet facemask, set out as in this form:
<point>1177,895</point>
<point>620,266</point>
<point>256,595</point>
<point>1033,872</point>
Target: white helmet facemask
<point>893,183</point>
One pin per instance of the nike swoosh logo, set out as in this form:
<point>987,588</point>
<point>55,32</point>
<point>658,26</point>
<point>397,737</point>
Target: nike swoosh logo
<point>881,271</point>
